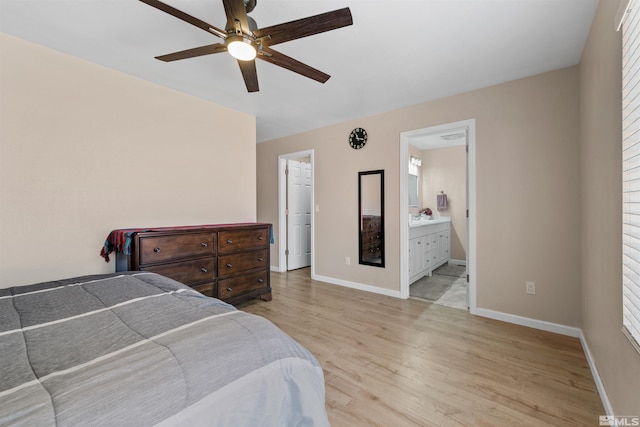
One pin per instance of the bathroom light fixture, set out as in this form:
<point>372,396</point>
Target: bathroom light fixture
<point>415,161</point>
<point>240,48</point>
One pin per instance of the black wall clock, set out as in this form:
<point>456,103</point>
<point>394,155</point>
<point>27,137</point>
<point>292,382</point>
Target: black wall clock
<point>357,138</point>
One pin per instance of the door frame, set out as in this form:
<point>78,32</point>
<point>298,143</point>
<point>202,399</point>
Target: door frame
<point>405,137</point>
<point>282,207</point>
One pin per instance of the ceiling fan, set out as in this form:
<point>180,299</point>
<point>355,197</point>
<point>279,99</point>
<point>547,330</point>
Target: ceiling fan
<point>245,42</point>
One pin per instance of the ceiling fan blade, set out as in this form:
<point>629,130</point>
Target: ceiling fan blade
<point>185,17</point>
<point>192,53</point>
<point>235,11</point>
<point>284,61</point>
<point>304,27</point>
<point>249,74</point>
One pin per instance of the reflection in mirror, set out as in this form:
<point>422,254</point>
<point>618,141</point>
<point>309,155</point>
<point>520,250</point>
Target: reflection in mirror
<point>413,191</point>
<point>371,217</point>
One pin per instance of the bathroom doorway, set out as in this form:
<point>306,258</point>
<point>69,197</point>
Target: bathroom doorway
<point>454,144</point>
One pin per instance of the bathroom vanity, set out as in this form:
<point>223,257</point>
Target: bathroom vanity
<point>429,246</point>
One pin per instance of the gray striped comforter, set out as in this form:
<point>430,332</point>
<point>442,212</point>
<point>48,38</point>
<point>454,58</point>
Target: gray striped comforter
<point>140,349</point>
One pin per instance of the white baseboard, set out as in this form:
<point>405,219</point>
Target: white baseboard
<point>558,329</point>
<point>596,377</point>
<point>348,284</point>
<point>462,262</point>
<point>531,323</point>
<point>359,286</point>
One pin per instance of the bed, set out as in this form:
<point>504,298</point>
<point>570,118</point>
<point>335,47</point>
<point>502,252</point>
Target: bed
<point>142,349</point>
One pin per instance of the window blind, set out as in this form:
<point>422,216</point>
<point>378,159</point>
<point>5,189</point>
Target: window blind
<point>631,172</point>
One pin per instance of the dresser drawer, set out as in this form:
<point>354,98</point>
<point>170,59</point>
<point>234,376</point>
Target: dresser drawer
<point>370,250</point>
<point>207,289</point>
<point>229,288</point>
<point>244,261</point>
<point>187,272</point>
<point>155,249</point>
<point>236,240</point>
<point>371,226</point>
<point>370,236</point>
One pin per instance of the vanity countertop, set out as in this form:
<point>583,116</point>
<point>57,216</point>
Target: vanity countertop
<point>423,222</point>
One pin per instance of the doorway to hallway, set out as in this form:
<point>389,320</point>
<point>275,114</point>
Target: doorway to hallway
<point>295,211</point>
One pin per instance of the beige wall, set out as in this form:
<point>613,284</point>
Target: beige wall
<point>84,150</point>
<point>445,170</point>
<point>336,196</point>
<point>528,202</point>
<point>600,154</point>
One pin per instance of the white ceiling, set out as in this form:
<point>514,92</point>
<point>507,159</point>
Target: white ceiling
<point>442,139</point>
<point>397,52</point>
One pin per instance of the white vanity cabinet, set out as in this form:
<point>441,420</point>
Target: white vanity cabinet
<point>441,240</point>
<point>429,247</point>
<point>419,254</point>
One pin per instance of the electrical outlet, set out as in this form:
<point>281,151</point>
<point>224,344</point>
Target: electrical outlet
<point>347,260</point>
<point>531,288</point>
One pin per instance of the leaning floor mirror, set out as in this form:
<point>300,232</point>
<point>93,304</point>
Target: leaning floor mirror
<point>371,217</point>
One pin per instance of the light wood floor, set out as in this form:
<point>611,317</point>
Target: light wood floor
<point>391,362</point>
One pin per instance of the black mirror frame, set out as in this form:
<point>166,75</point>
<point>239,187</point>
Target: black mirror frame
<point>380,241</point>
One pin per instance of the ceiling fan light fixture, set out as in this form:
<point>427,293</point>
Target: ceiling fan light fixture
<point>243,40</point>
<point>240,48</point>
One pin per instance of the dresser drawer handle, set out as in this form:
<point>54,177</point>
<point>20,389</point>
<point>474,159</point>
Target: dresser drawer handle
<point>259,237</point>
<point>229,241</point>
<point>156,250</point>
<point>260,259</point>
<point>229,265</point>
<point>204,244</point>
<point>229,289</point>
<point>260,280</point>
<point>204,270</point>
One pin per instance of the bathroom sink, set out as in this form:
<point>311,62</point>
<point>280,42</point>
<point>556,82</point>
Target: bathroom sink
<point>422,221</point>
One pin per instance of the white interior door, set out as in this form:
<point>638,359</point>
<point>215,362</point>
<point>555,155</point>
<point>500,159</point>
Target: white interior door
<point>298,214</point>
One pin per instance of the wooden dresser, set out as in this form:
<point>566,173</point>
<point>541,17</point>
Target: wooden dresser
<point>229,262</point>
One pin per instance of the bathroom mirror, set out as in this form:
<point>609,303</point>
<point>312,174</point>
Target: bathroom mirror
<point>371,217</point>
<point>413,191</point>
